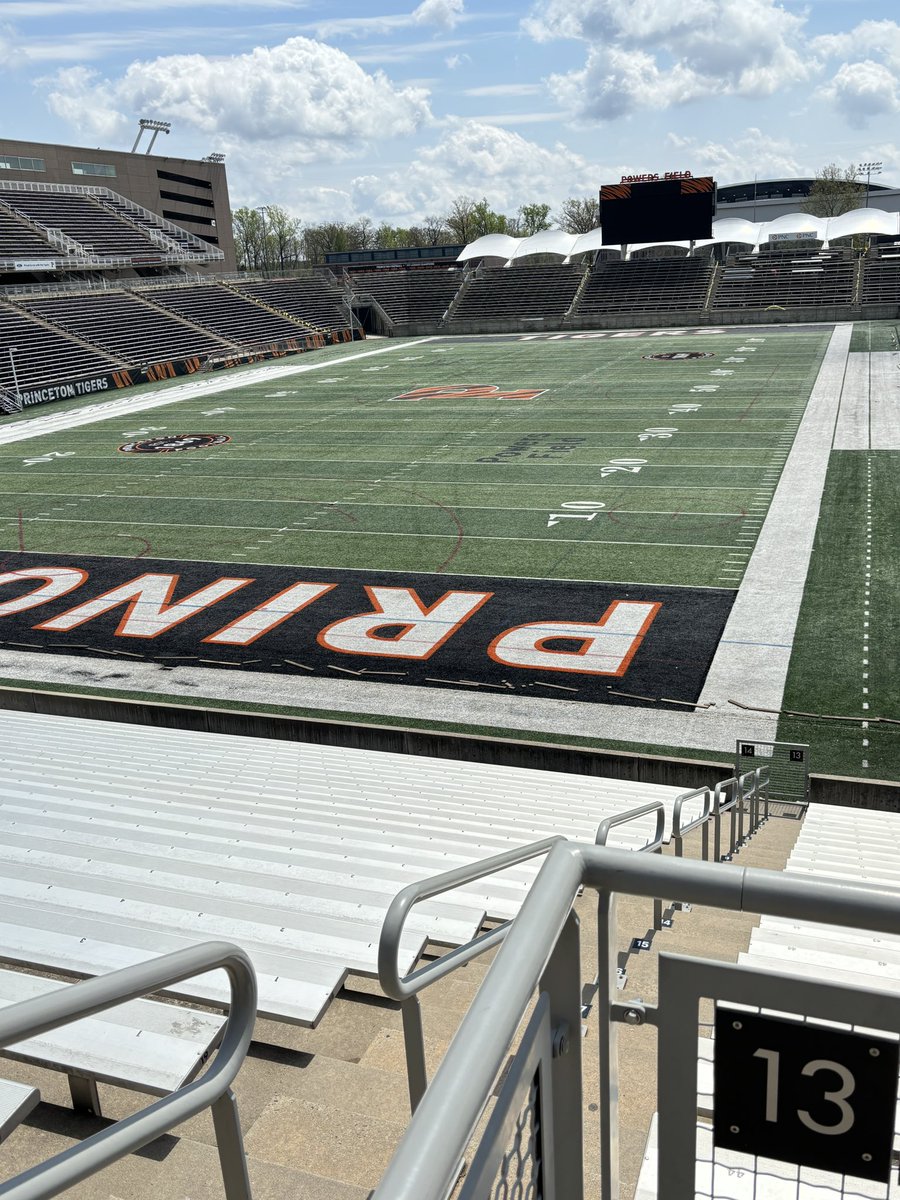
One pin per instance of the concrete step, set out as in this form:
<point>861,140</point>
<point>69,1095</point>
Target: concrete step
<point>331,1141</point>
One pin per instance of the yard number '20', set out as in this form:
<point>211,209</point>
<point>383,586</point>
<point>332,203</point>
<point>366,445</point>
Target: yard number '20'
<point>839,1098</point>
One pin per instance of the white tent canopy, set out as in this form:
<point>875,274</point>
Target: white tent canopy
<point>755,234</point>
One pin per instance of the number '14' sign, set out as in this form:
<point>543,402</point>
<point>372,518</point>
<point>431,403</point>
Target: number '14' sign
<point>804,1093</point>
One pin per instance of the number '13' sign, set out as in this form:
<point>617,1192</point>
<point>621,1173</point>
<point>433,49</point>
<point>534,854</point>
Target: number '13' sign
<point>803,1093</point>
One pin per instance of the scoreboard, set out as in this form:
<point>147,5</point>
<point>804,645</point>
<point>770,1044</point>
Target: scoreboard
<point>677,207</point>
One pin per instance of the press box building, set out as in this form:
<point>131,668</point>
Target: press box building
<point>191,193</point>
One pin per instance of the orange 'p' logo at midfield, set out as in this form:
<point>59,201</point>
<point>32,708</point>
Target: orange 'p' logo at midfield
<point>484,391</point>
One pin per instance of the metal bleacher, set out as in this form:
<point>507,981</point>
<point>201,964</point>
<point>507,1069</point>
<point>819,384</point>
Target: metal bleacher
<point>117,843</point>
<point>311,300</point>
<point>497,293</point>
<point>43,353</point>
<point>226,314</point>
<point>122,324</point>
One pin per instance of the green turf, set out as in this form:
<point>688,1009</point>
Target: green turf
<point>325,469</point>
<point>875,335</point>
<point>833,661</point>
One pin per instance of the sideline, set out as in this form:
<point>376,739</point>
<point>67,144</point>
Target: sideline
<point>21,431</point>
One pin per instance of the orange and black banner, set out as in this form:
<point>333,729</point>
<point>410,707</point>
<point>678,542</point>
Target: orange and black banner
<point>70,389</point>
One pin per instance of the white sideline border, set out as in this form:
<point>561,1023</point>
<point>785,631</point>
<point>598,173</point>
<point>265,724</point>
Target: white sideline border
<point>21,431</point>
<point>750,664</point>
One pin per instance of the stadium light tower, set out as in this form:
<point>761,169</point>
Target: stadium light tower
<point>869,169</point>
<point>213,158</point>
<point>157,127</point>
<point>263,209</point>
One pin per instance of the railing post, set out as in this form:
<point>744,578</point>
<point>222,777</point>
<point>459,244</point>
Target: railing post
<point>608,1033</point>
<point>414,1041</point>
<point>561,981</point>
<point>230,1144</point>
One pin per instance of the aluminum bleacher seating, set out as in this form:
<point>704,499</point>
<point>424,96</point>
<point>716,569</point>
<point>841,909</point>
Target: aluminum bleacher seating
<point>312,300</point>
<point>786,279</point>
<point>644,284</point>
<point>515,292</point>
<point>419,294</point>
<point>234,318</point>
<point>124,325</point>
<point>100,231</point>
<point>43,355</point>
<point>118,842</point>
<point>19,241</point>
<point>881,277</point>
<point>16,1102</point>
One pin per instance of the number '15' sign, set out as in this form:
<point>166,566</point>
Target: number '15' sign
<point>804,1093</point>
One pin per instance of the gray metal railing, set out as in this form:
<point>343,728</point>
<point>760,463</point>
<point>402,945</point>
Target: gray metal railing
<point>31,1018</point>
<point>653,847</point>
<point>541,953</point>
<point>406,988</point>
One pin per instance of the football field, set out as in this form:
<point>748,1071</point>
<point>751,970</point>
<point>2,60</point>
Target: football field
<point>532,533</point>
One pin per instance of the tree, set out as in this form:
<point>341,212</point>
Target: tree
<point>579,215</point>
<point>835,190</point>
<point>533,219</point>
<point>460,220</point>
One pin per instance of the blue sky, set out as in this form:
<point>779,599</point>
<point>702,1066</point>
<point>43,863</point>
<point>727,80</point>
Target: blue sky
<point>389,111</point>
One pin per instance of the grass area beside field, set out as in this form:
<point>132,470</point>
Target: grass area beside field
<point>846,648</point>
<point>869,336</point>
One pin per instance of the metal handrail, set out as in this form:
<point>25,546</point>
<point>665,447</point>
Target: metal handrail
<point>680,831</point>
<point>392,930</point>
<point>654,847</point>
<point>425,1164</point>
<point>623,818</point>
<point>406,988</point>
<point>731,785</point>
<point>30,1018</point>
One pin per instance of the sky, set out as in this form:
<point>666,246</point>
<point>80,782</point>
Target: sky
<point>390,111</point>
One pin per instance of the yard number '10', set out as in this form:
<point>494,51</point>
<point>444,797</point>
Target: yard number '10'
<point>838,1098</point>
<point>592,507</point>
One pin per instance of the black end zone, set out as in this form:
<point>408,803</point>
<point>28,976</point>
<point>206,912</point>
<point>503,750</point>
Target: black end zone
<point>668,658</point>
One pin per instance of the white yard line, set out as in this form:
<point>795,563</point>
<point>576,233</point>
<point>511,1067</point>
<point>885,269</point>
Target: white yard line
<point>20,431</point>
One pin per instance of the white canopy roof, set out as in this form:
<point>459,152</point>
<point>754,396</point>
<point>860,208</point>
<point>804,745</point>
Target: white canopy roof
<point>725,229</point>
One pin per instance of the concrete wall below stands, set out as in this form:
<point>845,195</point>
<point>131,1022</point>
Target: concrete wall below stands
<point>577,760</point>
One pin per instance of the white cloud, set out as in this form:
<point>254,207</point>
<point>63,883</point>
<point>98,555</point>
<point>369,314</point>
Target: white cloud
<point>298,101</point>
<point>444,13</point>
<point>861,90</point>
<point>660,53</point>
<point>475,159</point>
<point>880,38</point>
<point>743,157</point>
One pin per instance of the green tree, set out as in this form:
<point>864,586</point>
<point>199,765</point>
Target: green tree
<point>835,190</point>
<point>579,214</point>
<point>533,218</point>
